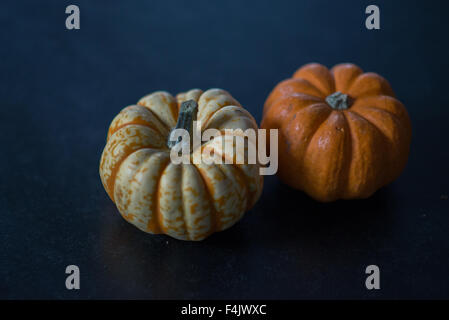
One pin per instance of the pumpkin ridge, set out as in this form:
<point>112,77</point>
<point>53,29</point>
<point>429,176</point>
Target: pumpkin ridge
<point>391,114</point>
<point>174,108</point>
<point>318,75</point>
<point>206,123</point>
<point>238,171</point>
<point>192,94</point>
<point>303,97</point>
<point>233,185</point>
<point>351,82</point>
<point>399,113</point>
<point>369,95</point>
<point>397,119</point>
<point>205,100</point>
<point>214,215</point>
<point>323,95</point>
<point>285,128</point>
<point>155,223</point>
<point>383,180</point>
<point>280,93</point>
<point>373,80</point>
<point>332,166</point>
<point>390,142</point>
<point>155,115</point>
<point>244,114</point>
<point>219,225</point>
<point>344,185</point>
<point>186,226</point>
<point>315,130</point>
<point>373,124</point>
<point>295,112</point>
<point>290,94</point>
<point>138,123</point>
<point>249,194</point>
<point>352,136</point>
<point>111,180</point>
<point>317,124</point>
<point>136,171</point>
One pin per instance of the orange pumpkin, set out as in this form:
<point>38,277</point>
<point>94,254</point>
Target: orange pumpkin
<point>342,132</point>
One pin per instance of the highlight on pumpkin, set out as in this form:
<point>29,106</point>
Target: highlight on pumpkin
<point>187,201</point>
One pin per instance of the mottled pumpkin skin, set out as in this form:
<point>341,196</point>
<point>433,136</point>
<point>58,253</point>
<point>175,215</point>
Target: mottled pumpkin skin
<point>185,201</point>
<point>338,154</point>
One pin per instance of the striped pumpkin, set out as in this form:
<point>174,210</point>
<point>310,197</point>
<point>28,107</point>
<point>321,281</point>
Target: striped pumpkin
<point>184,201</point>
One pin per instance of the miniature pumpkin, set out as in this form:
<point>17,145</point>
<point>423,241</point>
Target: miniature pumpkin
<point>342,132</point>
<point>185,201</point>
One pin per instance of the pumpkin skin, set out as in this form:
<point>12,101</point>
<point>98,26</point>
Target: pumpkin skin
<point>346,151</point>
<point>184,201</point>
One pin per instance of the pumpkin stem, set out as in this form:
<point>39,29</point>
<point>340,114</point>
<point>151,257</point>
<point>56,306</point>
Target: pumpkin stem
<point>339,101</point>
<point>187,114</point>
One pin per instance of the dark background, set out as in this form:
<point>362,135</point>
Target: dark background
<point>60,89</point>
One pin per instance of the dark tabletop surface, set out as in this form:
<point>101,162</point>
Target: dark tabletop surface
<point>60,89</point>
